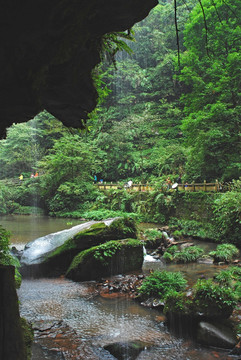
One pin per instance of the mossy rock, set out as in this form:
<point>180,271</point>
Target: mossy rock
<point>57,261</point>
<point>28,336</point>
<point>113,257</point>
<point>152,243</point>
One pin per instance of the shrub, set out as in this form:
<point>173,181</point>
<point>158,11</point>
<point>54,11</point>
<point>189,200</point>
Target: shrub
<point>177,302</point>
<point>186,255</point>
<point>101,214</point>
<point>214,300</point>
<point>224,253</point>
<point>192,228</point>
<point>227,216</point>
<point>153,234</point>
<point>232,278</point>
<point>160,283</point>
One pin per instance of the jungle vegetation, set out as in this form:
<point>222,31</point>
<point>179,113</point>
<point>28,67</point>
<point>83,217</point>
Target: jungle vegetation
<point>164,110</point>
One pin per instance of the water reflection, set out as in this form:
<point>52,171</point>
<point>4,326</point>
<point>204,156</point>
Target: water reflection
<point>99,321</point>
<point>25,228</point>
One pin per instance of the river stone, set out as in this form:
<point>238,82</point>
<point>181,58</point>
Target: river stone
<point>217,335</point>
<point>114,257</point>
<point>52,254</point>
<point>126,350</point>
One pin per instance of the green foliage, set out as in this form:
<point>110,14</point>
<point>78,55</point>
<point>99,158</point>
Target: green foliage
<point>152,234</point>
<point>4,240</point>
<point>227,216</point>
<point>211,83</point>
<point>177,303</point>
<point>231,278</point>
<point>209,295</point>
<point>28,336</point>
<point>104,252</point>
<point>7,203</point>
<point>224,253</point>
<point>153,120</point>
<point>192,228</point>
<point>186,255</point>
<point>5,256</point>
<point>160,284</point>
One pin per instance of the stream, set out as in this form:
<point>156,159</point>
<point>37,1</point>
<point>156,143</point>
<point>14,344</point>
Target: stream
<point>72,321</point>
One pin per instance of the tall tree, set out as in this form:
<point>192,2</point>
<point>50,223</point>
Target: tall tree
<point>212,81</point>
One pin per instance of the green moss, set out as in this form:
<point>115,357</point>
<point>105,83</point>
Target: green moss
<point>99,233</point>
<point>133,242</point>
<point>177,303</point>
<point>7,259</point>
<point>113,257</point>
<point>28,336</point>
<point>94,231</point>
<point>104,252</point>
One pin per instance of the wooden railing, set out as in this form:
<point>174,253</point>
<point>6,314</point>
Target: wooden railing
<point>143,187</point>
<point>147,187</point>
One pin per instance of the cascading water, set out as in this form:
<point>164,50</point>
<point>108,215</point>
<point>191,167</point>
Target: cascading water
<point>148,258</point>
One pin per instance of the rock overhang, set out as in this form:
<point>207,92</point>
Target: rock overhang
<point>48,51</point>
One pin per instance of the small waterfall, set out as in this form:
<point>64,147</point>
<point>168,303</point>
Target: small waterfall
<point>148,258</point>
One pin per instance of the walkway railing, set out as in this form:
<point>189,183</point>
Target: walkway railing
<point>147,187</point>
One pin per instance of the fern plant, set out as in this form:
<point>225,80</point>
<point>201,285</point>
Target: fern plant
<point>224,253</point>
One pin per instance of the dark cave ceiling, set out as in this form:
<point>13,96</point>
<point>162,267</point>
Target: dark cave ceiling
<point>48,50</point>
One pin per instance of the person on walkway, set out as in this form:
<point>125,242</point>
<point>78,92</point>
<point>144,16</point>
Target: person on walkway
<point>20,178</point>
<point>130,183</point>
<point>179,179</point>
<point>169,183</point>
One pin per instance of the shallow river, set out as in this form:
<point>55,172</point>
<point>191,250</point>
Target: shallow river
<point>71,322</point>
<point>99,321</point>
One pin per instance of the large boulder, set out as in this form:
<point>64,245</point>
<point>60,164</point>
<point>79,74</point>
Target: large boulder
<point>217,335</point>
<point>51,255</point>
<point>113,257</point>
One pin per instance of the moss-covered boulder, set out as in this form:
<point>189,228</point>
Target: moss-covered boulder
<point>113,257</point>
<point>56,261</point>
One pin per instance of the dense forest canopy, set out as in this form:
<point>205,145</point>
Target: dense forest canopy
<point>160,113</point>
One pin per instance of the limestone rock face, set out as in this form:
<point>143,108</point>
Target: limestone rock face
<point>48,50</point>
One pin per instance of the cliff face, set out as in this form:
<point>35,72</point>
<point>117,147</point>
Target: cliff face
<point>48,50</point>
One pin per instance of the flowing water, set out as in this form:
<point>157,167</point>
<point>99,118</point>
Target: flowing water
<point>72,322</point>
<point>100,321</point>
